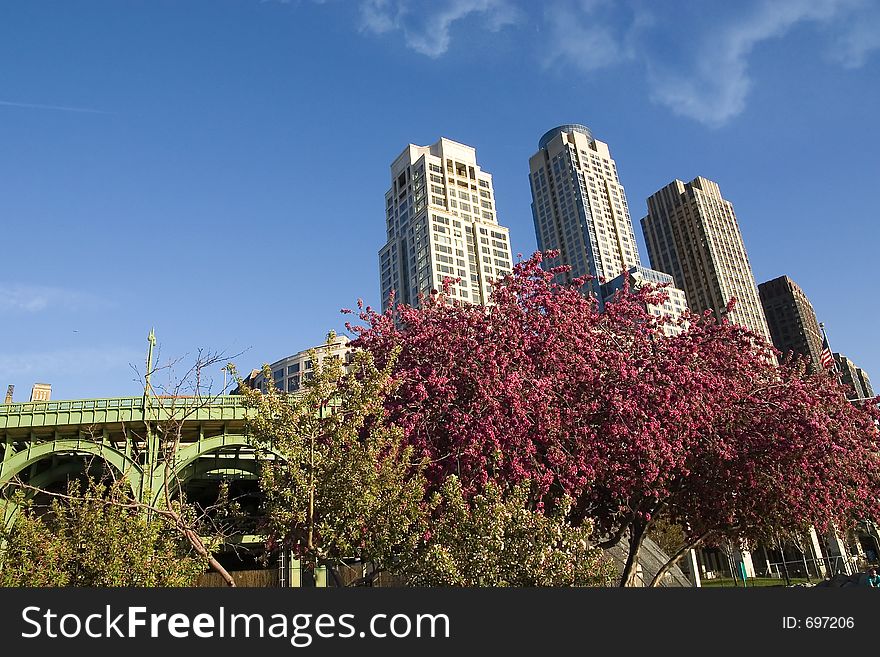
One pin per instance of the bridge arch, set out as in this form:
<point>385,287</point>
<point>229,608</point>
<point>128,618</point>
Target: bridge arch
<point>25,458</point>
<point>189,454</point>
<point>200,468</point>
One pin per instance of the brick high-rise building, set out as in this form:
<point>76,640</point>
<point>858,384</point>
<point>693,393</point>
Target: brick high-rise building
<point>791,319</point>
<point>692,233</point>
<point>853,375</point>
<point>441,223</point>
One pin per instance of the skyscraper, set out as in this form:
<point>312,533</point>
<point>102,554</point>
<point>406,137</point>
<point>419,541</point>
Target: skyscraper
<point>692,233</point>
<point>441,223</point>
<point>579,206</point>
<point>854,376</point>
<point>791,319</point>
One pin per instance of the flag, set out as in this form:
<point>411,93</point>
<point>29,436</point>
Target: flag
<point>826,358</point>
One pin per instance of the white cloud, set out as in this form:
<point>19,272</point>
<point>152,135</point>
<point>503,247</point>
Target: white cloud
<point>379,16</point>
<point>715,89</point>
<point>427,26</point>
<point>581,33</point>
<point>710,80</point>
<point>696,63</point>
<point>20,298</point>
<point>858,39</point>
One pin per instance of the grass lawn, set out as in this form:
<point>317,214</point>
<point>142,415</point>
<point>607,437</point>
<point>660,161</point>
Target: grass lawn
<point>756,581</point>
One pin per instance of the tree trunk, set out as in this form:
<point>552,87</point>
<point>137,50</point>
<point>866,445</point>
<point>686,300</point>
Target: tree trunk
<point>369,580</point>
<point>675,559</point>
<point>196,542</point>
<point>638,531</point>
<point>804,558</point>
<point>615,539</point>
<point>781,547</point>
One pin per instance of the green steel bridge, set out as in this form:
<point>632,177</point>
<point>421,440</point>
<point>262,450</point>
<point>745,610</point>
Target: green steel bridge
<point>150,440</point>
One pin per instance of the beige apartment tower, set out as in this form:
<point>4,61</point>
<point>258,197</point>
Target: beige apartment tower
<point>579,206</point>
<point>441,223</point>
<point>692,233</point>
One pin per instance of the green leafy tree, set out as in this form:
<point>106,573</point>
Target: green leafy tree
<point>495,539</point>
<point>341,485</point>
<point>667,535</point>
<point>95,535</point>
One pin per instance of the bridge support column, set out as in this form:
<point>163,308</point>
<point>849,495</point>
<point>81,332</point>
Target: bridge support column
<point>7,452</point>
<point>8,513</point>
<point>297,577</point>
<point>152,458</point>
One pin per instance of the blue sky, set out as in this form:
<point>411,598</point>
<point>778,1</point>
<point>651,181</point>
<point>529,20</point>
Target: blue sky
<point>217,168</point>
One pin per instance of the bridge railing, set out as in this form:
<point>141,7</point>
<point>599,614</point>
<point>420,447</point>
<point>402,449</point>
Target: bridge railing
<point>223,401</point>
<point>116,409</point>
<point>71,405</point>
<point>114,403</point>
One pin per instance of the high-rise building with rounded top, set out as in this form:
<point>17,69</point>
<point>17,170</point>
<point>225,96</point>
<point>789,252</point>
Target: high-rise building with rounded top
<point>579,206</point>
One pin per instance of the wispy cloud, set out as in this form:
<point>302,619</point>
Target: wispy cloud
<point>57,108</point>
<point>715,88</point>
<point>426,26</point>
<point>61,362</point>
<point>696,65</point>
<point>586,34</point>
<point>857,38</point>
<point>21,298</point>
<point>709,80</point>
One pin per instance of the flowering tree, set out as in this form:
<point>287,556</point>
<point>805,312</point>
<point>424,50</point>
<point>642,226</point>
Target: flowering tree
<point>347,486</point>
<point>701,427</point>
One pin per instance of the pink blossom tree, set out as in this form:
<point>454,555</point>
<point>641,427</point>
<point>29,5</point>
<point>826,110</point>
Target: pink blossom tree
<point>701,427</point>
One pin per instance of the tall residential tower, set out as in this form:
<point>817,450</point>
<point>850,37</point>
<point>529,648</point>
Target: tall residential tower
<point>441,223</point>
<point>791,319</point>
<point>692,233</point>
<point>579,206</point>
